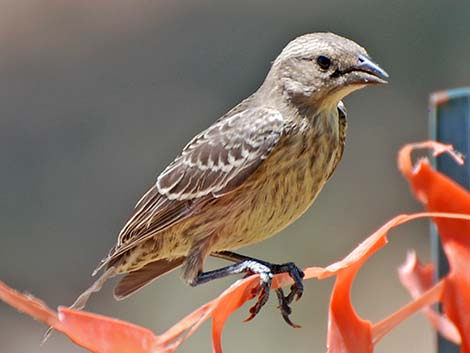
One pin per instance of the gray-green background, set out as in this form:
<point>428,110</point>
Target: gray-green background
<point>96,97</point>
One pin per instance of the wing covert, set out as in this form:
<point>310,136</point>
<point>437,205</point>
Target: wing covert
<point>220,158</point>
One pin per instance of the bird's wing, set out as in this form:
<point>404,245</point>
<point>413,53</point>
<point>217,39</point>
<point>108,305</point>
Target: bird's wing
<point>220,158</point>
<point>214,163</point>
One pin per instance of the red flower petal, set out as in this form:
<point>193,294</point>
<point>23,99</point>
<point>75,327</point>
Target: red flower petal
<point>347,331</point>
<point>439,193</point>
<point>28,305</point>
<point>415,276</point>
<point>228,303</point>
<point>417,279</point>
<point>105,335</point>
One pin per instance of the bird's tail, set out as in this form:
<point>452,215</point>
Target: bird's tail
<point>81,301</point>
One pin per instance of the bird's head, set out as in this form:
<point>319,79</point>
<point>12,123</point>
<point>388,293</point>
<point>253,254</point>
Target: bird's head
<point>322,68</point>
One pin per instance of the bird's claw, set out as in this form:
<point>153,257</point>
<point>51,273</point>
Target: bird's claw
<point>296,291</point>
<point>262,291</point>
<point>285,308</point>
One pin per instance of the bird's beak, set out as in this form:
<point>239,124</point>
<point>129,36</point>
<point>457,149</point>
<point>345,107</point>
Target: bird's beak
<point>362,72</point>
<point>367,72</point>
<point>367,65</point>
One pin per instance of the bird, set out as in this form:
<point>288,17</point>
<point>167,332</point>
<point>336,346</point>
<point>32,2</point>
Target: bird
<point>249,175</point>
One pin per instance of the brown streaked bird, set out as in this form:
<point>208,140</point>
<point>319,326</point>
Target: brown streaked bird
<point>249,175</point>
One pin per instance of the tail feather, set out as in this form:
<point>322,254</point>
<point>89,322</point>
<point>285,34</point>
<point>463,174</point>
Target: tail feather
<point>135,280</point>
<point>81,301</point>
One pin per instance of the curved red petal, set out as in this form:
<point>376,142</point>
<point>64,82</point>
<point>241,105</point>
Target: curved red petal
<point>103,334</point>
<point>417,279</point>
<point>28,305</point>
<point>439,193</point>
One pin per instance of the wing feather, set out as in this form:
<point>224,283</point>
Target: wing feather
<point>214,163</point>
<point>219,159</point>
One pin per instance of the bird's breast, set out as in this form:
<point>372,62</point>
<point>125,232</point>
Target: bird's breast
<point>287,182</point>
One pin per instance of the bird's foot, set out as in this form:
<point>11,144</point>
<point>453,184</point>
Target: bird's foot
<point>262,291</point>
<point>266,272</point>
<point>296,290</point>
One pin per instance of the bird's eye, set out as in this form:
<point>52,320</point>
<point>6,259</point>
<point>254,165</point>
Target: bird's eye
<point>323,62</point>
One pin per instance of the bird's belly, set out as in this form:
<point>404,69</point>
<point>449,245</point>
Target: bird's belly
<point>275,202</point>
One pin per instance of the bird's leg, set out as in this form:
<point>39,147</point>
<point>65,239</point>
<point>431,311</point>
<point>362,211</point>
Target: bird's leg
<point>266,271</point>
<point>245,266</point>
<point>290,267</point>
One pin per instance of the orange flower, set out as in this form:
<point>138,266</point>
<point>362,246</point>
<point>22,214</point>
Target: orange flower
<point>418,278</point>
<point>439,193</point>
<point>347,331</point>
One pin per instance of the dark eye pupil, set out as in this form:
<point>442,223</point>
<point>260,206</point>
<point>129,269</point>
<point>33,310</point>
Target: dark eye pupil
<point>323,62</point>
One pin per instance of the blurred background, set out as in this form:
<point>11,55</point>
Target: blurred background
<point>97,97</point>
